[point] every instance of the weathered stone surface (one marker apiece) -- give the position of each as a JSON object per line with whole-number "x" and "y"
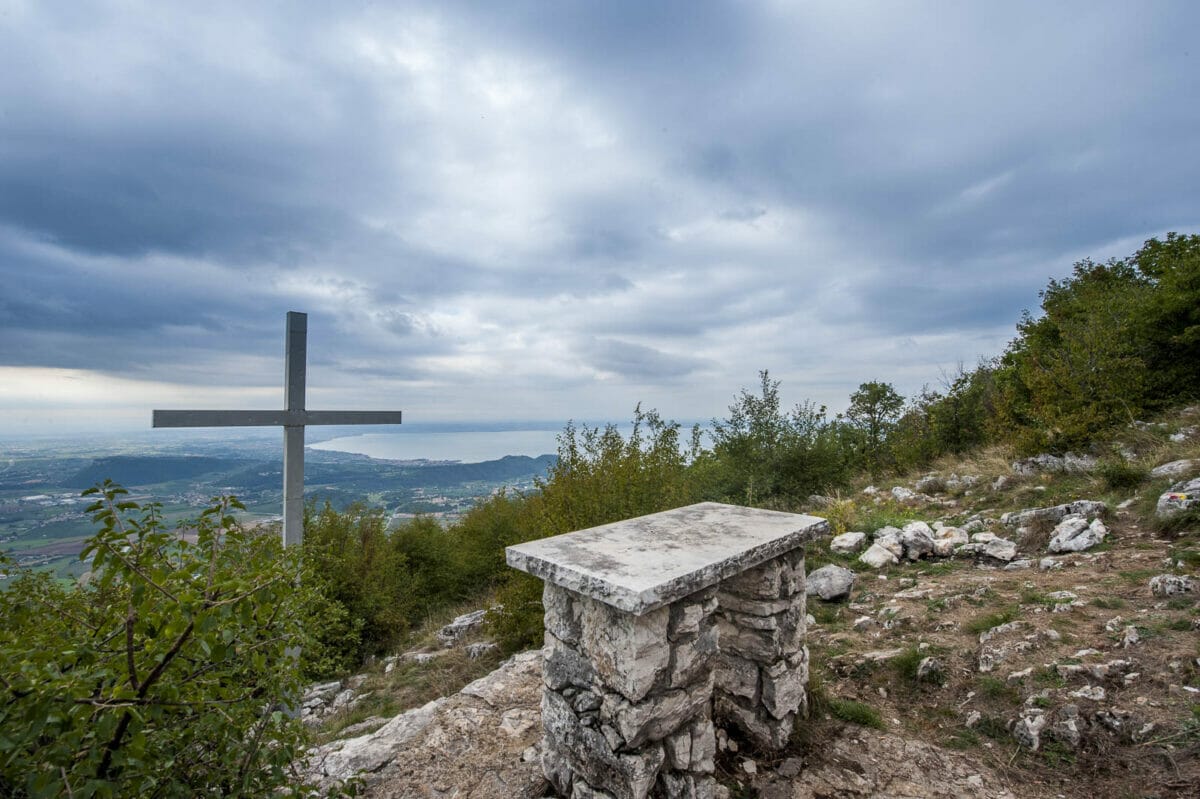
{"x": 830, "y": 583}
{"x": 627, "y": 651}
{"x": 848, "y": 543}
{"x": 685, "y": 619}
{"x": 1075, "y": 534}
{"x": 704, "y": 746}
{"x": 917, "y": 539}
{"x": 946, "y": 539}
{"x": 877, "y": 557}
{"x": 1083, "y": 507}
{"x": 761, "y": 582}
{"x": 692, "y": 659}
{"x": 659, "y": 715}
{"x": 1171, "y": 584}
{"x": 1175, "y": 468}
{"x": 565, "y": 665}
{"x": 453, "y": 632}
{"x": 1027, "y": 730}
{"x": 343, "y": 759}
{"x": 587, "y": 753}
{"x": 1184, "y": 495}
{"x": 891, "y": 541}
{"x": 1000, "y": 549}
{"x": 678, "y": 748}
{"x": 642, "y": 564}
{"x": 562, "y": 613}
{"x": 737, "y": 676}
{"x": 783, "y": 689}
{"x": 753, "y": 607}
{"x": 765, "y": 730}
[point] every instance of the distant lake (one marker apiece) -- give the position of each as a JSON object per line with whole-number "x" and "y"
{"x": 464, "y": 446}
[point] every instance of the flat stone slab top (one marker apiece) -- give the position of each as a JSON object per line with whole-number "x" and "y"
{"x": 641, "y": 564}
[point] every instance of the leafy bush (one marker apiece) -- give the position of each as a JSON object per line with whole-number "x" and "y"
{"x": 1119, "y": 474}
{"x": 166, "y": 674}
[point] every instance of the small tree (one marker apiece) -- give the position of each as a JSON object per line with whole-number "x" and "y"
{"x": 874, "y": 410}
{"x": 166, "y": 674}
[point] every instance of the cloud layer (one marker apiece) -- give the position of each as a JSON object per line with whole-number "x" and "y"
{"x": 542, "y": 211}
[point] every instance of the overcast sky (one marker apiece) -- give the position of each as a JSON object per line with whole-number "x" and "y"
{"x": 554, "y": 210}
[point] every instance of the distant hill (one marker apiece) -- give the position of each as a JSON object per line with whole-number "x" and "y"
{"x": 358, "y": 474}
{"x": 136, "y": 470}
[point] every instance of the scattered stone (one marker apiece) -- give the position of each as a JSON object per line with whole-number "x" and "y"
{"x": 1182, "y": 496}
{"x": 1130, "y": 637}
{"x": 878, "y": 556}
{"x": 453, "y": 632}
{"x": 1017, "y": 565}
{"x": 848, "y": 543}
{"x": 931, "y": 669}
{"x": 1003, "y": 482}
{"x": 946, "y": 539}
{"x": 1075, "y": 534}
{"x": 1183, "y": 434}
{"x": 870, "y": 491}
{"x": 902, "y": 494}
{"x": 1174, "y": 468}
{"x": 1095, "y": 693}
{"x": 1028, "y": 729}
{"x": 1083, "y": 507}
{"x": 863, "y": 623}
{"x": 917, "y": 539}
{"x": 478, "y": 650}
{"x": 830, "y": 583}
{"x": 1171, "y": 584}
{"x": 1049, "y": 564}
{"x": 931, "y": 484}
{"x": 1062, "y": 596}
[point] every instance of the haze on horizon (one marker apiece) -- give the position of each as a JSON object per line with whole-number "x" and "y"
{"x": 550, "y": 211}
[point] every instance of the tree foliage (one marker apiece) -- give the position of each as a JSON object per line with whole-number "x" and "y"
{"x": 167, "y": 674}
{"x": 763, "y": 455}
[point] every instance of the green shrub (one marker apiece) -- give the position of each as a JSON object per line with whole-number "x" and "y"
{"x": 166, "y": 674}
{"x": 1121, "y": 475}
{"x": 987, "y": 621}
{"x": 855, "y": 712}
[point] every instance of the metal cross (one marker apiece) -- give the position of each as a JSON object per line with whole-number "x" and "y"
{"x": 292, "y": 418}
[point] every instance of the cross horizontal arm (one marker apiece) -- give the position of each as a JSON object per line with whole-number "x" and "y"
{"x": 270, "y": 418}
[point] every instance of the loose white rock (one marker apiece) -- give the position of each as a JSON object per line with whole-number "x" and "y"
{"x": 848, "y": 543}
{"x": 830, "y": 583}
{"x": 878, "y": 556}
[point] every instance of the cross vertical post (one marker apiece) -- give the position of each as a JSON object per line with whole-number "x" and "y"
{"x": 295, "y": 359}
{"x": 292, "y": 419}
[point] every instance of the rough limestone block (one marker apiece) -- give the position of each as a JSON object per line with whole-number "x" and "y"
{"x": 587, "y": 755}
{"x": 704, "y": 746}
{"x": 582, "y": 790}
{"x": 659, "y": 715}
{"x": 736, "y": 676}
{"x": 783, "y": 689}
{"x": 685, "y": 619}
{"x": 679, "y": 786}
{"x": 752, "y": 607}
{"x": 557, "y": 772}
{"x": 628, "y": 651}
{"x": 760, "y": 645}
{"x": 793, "y": 575}
{"x": 692, "y": 660}
{"x": 762, "y": 729}
{"x": 761, "y": 582}
{"x": 747, "y": 622}
{"x": 679, "y": 750}
{"x": 564, "y": 665}
{"x": 561, "y": 613}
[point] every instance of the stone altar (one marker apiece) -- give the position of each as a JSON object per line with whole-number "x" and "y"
{"x": 655, "y": 623}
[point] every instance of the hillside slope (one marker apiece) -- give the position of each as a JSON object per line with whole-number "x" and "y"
{"x": 999, "y": 670}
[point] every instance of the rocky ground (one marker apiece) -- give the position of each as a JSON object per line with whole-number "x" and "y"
{"x": 1008, "y": 663}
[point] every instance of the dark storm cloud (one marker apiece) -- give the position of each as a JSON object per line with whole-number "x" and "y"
{"x": 533, "y": 193}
